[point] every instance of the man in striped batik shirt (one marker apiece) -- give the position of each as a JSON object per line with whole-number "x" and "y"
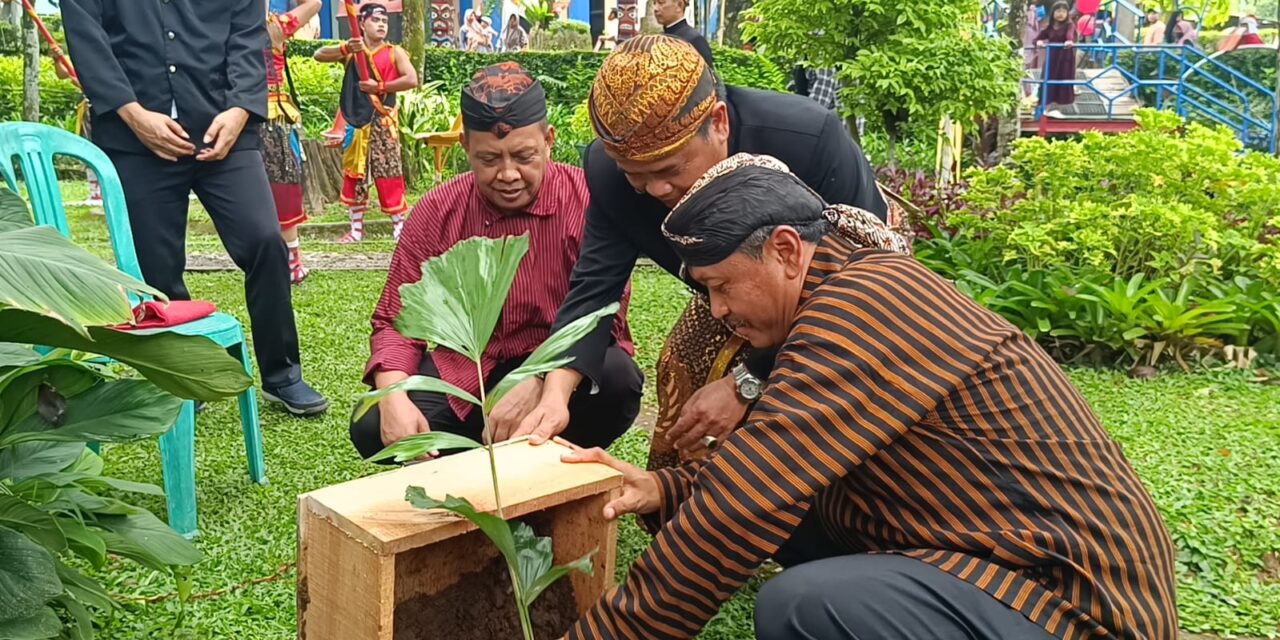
{"x": 513, "y": 188}
{"x": 919, "y": 467}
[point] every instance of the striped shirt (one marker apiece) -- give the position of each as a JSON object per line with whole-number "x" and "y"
{"x": 456, "y": 211}
{"x": 917, "y": 423}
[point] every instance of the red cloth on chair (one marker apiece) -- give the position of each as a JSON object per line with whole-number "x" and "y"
{"x": 154, "y": 314}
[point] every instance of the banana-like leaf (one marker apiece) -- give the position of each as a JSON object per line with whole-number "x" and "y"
{"x": 547, "y": 356}
{"x": 16, "y": 355}
{"x": 535, "y": 559}
{"x": 117, "y": 411}
{"x": 142, "y": 537}
{"x": 83, "y": 541}
{"x": 81, "y": 627}
{"x": 20, "y": 387}
{"x": 528, "y": 555}
{"x": 420, "y": 444}
{"x": 43, "y": 272}
{"x": 23, "y": 461}
{"x": 20, "y": 515}
{"x": 98, "y": 483}
{"x": 457, "y": 302}
{"x": 28, "y": 576}
{"x": 412, "y": 383}
{"x": 37, "y": 626}
{"x": 14, "y": 214}
{"x": 85, "y": 589}
{"x": 191, "y": 367}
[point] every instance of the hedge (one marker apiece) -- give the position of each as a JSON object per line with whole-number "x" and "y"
{"x": 567, "y": 76}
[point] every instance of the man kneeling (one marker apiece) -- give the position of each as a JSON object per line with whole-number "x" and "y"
{"x": 919, "y": 466}
{"x": 513, "y": 188}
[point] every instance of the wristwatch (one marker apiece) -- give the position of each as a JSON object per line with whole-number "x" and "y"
{"x": 747, "y": 385}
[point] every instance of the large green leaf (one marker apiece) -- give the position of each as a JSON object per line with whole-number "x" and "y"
{"x": 17, "y": 355}
{"x": 28, "y": 576}
{"x": 142, "y": 537}
{"x": 412, "y": 383}
{"x": 116, "y": 411}
{"x": 14, "y": 214}
{"x": 23, "y": 461}
{"x": 81, "y": 627}
{"x": 493, "y": 526}
{"x": 457, "y": 302}
{"x": 95, "y": 482}
{"x": 19, "y": 515}
{"x": 20, "y": 387}
{"x": 44, "y": 623}
{"x": 420, "y": 444}
{"x": 83, "y": 541}
{"x": 85, "y": 589}
{"x": 535, "y": 558}
{"x": 43, "y": 272}
{"x": 191, "y": 367}
{"x": 547, "y": 356}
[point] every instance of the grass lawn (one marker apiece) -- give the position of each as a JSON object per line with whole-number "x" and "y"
{"x": 1207, "y": 446}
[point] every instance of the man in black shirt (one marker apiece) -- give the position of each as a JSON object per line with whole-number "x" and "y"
{"x": 663, "y": 119}
{"x": 179, "y": 89}
{"x": 670, "y": 14}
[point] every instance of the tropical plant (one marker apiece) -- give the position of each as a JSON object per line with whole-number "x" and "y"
{"x": 456, "y": 305}
{"x": 425, "y": 109}
{"x": 58, "y": 513}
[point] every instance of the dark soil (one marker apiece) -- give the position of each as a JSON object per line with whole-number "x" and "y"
{"x": 481, "y": 607}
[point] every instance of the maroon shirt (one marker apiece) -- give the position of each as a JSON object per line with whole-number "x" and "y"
{"x": 456, "y": 211}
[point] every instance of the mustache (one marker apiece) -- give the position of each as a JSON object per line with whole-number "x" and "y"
{"x": 734, "y": 323}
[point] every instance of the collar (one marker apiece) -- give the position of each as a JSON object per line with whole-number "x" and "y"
{"x": 541, "y": 207}
{"x": 831, "y": 256}
{"x": 676, "y": 25}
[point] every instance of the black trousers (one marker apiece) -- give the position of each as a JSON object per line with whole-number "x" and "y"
{"x": 236, "y": 194}
{"x": 820, "y": 596}
{"x": 595, "y": 419}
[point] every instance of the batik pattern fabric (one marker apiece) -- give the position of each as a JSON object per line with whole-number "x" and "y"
{"x": 281, "y": 143}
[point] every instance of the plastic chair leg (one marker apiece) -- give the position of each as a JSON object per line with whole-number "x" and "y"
{"x": 249, "y": 422}
{"x": 178, "y": 456}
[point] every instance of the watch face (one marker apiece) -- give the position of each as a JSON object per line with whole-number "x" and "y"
{"x": 750, "y": 389}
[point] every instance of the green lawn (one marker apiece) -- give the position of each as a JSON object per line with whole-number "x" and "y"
{"x": 1207, "y": 445}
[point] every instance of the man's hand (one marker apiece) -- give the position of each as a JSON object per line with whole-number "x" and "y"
{"x": 355, "y": 45}
{"x": 639, "y": 488}
{"x": 369, "y": 86}
{"x": 276, "y": 34}
{"x": 713, "y": 410}
{"x": 157, "y": 131}
{"x": 400, "y": 418}
{"x": 222, "y": 133}
{"x": 546, "y": 421}
{"x": 513, "y": 407}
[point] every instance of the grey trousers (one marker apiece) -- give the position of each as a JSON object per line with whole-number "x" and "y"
{"x": 882, "y": 597}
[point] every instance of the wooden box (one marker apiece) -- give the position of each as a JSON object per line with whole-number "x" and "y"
{"x": 363, "y": 550}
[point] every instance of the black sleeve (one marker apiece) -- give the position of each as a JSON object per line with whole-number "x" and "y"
{"x": 704, "y": 49}
{"x": 799, "y": 81}
{"x": 846, "y": 176}
{"x": 246, "y": 60}
{"x": 104, "y": 80}
{"x": 599, "y": 278}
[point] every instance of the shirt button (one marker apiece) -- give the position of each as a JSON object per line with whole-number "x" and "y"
{"x": 171, "y": 35}
{"x": 173, "y": 69}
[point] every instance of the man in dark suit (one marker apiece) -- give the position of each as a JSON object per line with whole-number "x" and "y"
{"x": 179, "y": 89}
{"x": 670, "y": 14}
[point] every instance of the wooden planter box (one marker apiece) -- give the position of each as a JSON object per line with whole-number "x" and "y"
{"x": 363, "y": 550}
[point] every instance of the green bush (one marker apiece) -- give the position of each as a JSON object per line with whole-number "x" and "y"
{"x": 1210, "y": 38}
{"x": 58, "y": 98}
{"x": 1157, "y": 242}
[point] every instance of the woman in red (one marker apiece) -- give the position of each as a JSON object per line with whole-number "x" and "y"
{"x": 1062, "y": 62}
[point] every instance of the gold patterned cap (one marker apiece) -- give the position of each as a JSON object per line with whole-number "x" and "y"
{"x": 650, "y": 97}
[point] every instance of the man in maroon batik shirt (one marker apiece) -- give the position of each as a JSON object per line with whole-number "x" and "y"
{"x": 513, "y": 188}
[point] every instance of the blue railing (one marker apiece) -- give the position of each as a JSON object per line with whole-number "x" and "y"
{"x": 1182, "y": 75}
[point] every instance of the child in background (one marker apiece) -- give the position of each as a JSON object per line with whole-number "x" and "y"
{"x": 1062, "y": 61}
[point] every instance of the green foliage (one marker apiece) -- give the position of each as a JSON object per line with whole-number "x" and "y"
{"x": 57, "y": 511}
{"x": 1151, "y": 244}
{"x": 58, "y": 98}
{"x": 422, "y": 110}
{"x": 899, "y": 62}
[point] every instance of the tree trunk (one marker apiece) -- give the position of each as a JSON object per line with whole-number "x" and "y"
{"x": 732, "y": 21}
{"x": 1010, "y": 123}
{"x": 30, "y": 71}
{"x": 413, "y": 17}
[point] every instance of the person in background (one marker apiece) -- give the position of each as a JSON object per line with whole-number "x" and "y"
{"x": 281, "y": 148}
{"x": 1032, "y": 55}
{"x": 475, "y": 31}
{"x": 609, "y": 38}
{"x": 1155, "y": 28}
{"x": 670, "y": 14}
{"x": 513, "y": 188}
{"x": 1062, "y": 61}
{"x": 1181, "y": 31}
{"x": 179, "y": 90}
{"x": 1251, "y": 34}
{"x": 372, "y": 143}
{"x": 514, "y": 37}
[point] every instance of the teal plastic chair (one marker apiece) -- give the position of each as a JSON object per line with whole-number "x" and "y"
{"x": 34, "y": 146}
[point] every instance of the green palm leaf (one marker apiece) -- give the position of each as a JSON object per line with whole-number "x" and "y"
{"x": 43, "y": 272}
{"x": 412, "y": 383}
{"x": 547, "y": 356}
{"x": 420, "y": 444}
{"x": 457, "y": 302}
